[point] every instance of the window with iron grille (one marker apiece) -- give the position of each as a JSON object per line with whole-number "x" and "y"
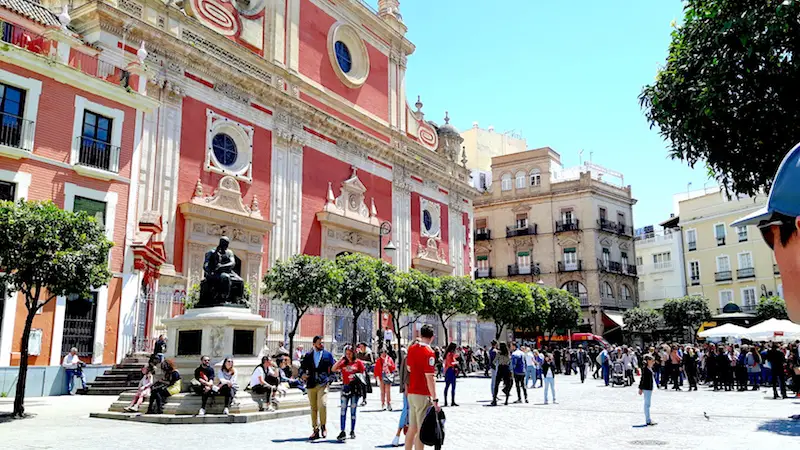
{"x": 79, "y": 324}
{"x": 7, "y": 191}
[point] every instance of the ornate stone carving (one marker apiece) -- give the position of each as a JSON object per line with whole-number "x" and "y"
{"x": 198, "y": 189}
{"x": 350, "y": 202}
{"x": 401, "y": 182}
{"x": 198, "y": 227}
{"x": 217, "y": 341}
{"x": 232, "y": 92}
{"x": 228, "y": 197}
{"x": 431, "y": 251}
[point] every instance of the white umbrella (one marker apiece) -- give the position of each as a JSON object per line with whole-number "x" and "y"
{"x": 773, "y": 330}
{"x": 724, "y": 331}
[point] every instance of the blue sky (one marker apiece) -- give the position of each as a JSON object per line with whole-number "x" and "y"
{"x": 566, "y": 74}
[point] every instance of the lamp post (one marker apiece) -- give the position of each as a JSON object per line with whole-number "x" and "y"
{"x": 390, "y": 250}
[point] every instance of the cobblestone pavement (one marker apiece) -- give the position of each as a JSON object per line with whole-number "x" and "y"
{"x": 587, "y": 416}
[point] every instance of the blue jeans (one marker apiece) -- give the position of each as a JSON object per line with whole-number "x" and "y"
{"x": 606, "y": 370}
{"x": 657, "y": 376}
{"x": 549, "y": 383}
{"x": 450, "y": 382}
{"x": 352, "y": 402}
{"x": 494, "y": 378}
{"x": 71, "y": 374}
{"x": 530, "y": 374}
{"x": 404, "y": 414}
{"x": 647, "y": 397}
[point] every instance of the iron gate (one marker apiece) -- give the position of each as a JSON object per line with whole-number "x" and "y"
{"x": 79, "y": 325}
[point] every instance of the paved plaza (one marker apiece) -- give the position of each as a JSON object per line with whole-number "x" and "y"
{"x": 586, "y": 416}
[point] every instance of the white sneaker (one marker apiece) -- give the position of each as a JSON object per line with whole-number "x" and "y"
{"x": 202, "y": 412}
{"x": 225, "y": 411}
{"x": 396, "y": 441}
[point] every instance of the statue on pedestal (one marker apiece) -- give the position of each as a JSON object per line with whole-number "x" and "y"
{"x": 221, "y": 285}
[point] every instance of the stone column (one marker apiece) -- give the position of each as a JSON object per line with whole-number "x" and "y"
{"x": 456, "y": 233}
{"x": 287, "y": 186}
{"x": 401, "y": 217}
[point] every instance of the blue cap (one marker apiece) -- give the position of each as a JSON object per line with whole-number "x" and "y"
{"x": 784, "y": 197}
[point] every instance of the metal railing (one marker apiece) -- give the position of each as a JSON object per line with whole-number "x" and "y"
{"x": 97, "y": 154}
{"x": 747, "y": 272}
{"x": 576, "y": 266}
{"x": 692, "y": 245}
{"x": 483, "y": 235}
{"x": 516, "y": 269}
{"x": 630, "y": 269}
{"x": 608, "y": 301}
{"x": 607, "y": 225}
{"x": 609, "y": 266}
{"x": 583, "y": 298}
{"x": 514, "y": 231}
{"x": 624, "y": 230}
{"x": 16, "y": 132}
{"x": 24, "y": 38}
{"x": 96, "y": 67}
{"x": 151, "y": 309}
{"x": 572, "y": 225}
{"x": 483, "y": 273}
{"x": 695, "y": 281}
{"x": 720, "y": 241}
{"x": 725, "y": 275}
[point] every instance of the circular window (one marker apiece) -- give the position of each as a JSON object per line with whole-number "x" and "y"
{"x": 427, "y": 220}
{"x": 224, "y": 149}
{"x": 343, "y": 57}
{"x": 348, "y": 55}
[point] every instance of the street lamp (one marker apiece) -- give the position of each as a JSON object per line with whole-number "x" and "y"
{"x": 390, "y": 249}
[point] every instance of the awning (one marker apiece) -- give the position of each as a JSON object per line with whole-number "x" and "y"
{"x": 612, "y": 321}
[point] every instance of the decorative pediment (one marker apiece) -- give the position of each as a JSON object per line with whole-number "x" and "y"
{"x": 431, "y": 257}
{"x": 568, "y": 241}
{"x": 623, "y": 245}
{"x": 351, "y": 201}
{"x": 521, "y": 208}
{"x": 606, "y": 242}
{"x": 226, "y": 209}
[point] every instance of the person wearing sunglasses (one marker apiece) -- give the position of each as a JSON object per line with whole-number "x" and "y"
{"x": 779, "y": 222}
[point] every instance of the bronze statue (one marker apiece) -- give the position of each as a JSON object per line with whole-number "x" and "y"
{"x": 221, "y": 285}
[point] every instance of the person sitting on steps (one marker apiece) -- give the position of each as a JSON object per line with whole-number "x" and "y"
{"x": 143, "y": 390}
{"x": 283, "y": 363}
{"x": 227, "y": 386}
{"x": 203, "y": 382}
{"x": 262, "y": 383}
{"x": 168, "y": 386}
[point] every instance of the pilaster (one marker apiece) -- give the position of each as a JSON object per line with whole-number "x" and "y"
{"x": 287, "y": 185}
{"x": 401, "y": 217}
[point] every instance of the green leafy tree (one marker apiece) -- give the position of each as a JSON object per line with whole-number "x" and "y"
{"x": 360, "y": 289}
{"x": 412, "y": 297}
{"x": 535, "y": 317}
{"x": 727, "y": 93}
{"x": 455, "y": 295}
{"x": 304, "y": 282}
{"x": 46, "y": 252}
{"x": 641, "y": 320}
{"x": 504, "y": 303}
{"x": 387, "y": 285}
{"x": 771, "y": 308}
{"x": 686, "y": 313}
{"x": 565, "y": 310}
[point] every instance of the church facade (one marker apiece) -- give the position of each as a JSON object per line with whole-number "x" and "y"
{"x": 283, "y": 125}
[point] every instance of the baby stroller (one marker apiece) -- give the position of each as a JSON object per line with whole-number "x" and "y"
{"x": 618, "y": 374}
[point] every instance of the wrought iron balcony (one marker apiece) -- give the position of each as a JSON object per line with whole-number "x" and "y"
{"x": 720, "y": 240}
{"x": 692, "y": 245}
{"x": 607, "y": 225}
{"x": 631, "y": 269}
{"x": 610, "y": 266}
{"x": 16, "y": 132}
{"x": 776, "y": 270}
{"x": 747, "y": 272}
{"x": 576, "y": 266}
{"x": 483, "y": 273}
{"x": 624, "y": 230}
{"x": 513, "y": 231}
{"x": 695, "y": 281}
{"x": 583, "y": 298}
{"x": 516, "y": 269}
{"x": 572, "y": 225}
{"x": 725, "y": 275}
{"x": 483, "y": 235}
{"x": 98, "y": 154}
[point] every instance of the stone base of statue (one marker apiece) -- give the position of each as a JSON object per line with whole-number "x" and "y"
{"x": 218, "y": 332}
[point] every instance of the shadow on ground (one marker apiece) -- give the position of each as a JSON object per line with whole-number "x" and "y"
{"x": 783, "y": 427}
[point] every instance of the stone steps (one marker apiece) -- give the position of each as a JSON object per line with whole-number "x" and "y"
{"x": 121, "y": 377}
{"x": 188, "y": 403}
{"x": 168, "y": 419}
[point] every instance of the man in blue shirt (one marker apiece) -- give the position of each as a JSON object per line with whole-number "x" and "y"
{"x": 518, "y": 368}
{"x": 315, "y": 368}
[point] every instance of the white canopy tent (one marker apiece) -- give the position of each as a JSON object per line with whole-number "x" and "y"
{"x": 773, "y": 330}
{"x": 728, "y": 330}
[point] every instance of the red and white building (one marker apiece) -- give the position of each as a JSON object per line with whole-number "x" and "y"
{"x": 281, "y": 124}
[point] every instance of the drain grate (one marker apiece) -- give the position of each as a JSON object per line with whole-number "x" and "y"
{"x": 648, "y": 442}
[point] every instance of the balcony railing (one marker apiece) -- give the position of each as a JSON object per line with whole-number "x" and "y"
{"x": 98, "y": 154}
{"x": 607, "y": 225}
{"x": 572, "y": 225}
{"x": 747, "y": 272}
{"x": 664, "y": 265}
{"x": 776, "y": 270}
{"x": 624, "y": 230}
{"x": 629, "y": 269}
{"x": 514, "y": 231}
{"x": 692, "y": 245}
{"x": 608, "y": 302}
{"x": 583, "y": 298}
{"x": 725, "y": 275}
{"x": 610, "y": 266}
{"x": 720, "y": 240}
{"x": 627, "y": 303}
{"x": 24, "y": 38}
{"x": 94, "y": 66}
{"x": 483, "y": 235}
{"x": 576, "y": 266}
{"x": 483, "y": 273}
{"x": 16, "y": 132}
{"x": 516, "y": 269}
{"x": 695, "y": 281}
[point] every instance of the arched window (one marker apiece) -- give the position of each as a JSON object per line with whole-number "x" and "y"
{"x": 578, "y": 290}
{"x": 520, "y": 180}
{"x": 505, "y": 182}
{"x": 627, "y": 295}
{"x": 607, "y": 291}
{"x": 536, "y": 177}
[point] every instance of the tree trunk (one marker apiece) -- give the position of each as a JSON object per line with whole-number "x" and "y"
{"x": 446, "y": 332}
{"x": 356, "y": 315}
{"x": 498, "y": 331}
{"x": 298, "y": 315}
{"x": 396, "y": 322}
{"x": 19, "y": 399}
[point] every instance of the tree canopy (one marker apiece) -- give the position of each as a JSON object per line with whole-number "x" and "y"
{"x": 46, "y": 252}
{"x": 455, "y": 295}
{"x": 771, "y": 308}
{"x": 565, "y": 310}
{"x": 504, "y": 303}
{"x": 685, "y": 313}
{"x": 360, "y": 289}
{"x": 303, "y": 281}
{"x": 641, "y": 320}
{"x": 727, "y": 94}
{"x": 412, "y": 296}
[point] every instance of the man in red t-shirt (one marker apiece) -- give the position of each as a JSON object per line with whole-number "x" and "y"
{"x": 421, "y": 389}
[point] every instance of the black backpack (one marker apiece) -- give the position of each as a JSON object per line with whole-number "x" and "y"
{"x": 432, "y": 430}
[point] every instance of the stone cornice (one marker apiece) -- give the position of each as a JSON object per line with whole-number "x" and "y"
{"x": 402, "y": 150}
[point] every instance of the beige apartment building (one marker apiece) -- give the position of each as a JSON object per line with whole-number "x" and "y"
{"x": 571, "y": 228}
{"x": 724, "y": 264}
{"x": 481, "y": 145}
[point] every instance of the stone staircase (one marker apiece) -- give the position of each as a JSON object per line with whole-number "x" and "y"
{"x": 120, "y": 378}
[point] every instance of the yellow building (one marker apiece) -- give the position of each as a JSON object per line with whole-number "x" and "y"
{"x": 724, "y": 264}
{"x": 481, "y": 145}
{"x": 570, "y": 228}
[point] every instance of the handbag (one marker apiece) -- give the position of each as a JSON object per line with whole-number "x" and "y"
{"x": 388, "y": 378}
{"x": 175, "y": 388}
